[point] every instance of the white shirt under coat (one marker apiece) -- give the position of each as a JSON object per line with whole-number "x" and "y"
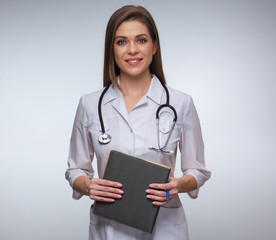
{"x": 133, "y": 133}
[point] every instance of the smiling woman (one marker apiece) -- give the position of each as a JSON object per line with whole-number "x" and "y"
{"x": 129, "y": 108}
{"x": 133, "y": 51}
{"x": 120, "y": 17}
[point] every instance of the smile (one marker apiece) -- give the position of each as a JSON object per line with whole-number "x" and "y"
{"x": 134, "y": 61}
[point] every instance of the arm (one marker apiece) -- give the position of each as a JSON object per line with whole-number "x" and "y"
{"x": 80, "y": 169}
{"x": 81, "y": 185}
{"x": 192, "y": 162}
{"x": 81, "y": 151}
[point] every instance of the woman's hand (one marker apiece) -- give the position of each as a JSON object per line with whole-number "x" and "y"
{"x": 104, "y": 190}
{"x": 157, "y": 191}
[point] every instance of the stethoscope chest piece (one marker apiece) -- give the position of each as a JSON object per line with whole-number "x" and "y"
{"x": 105, "y": 138}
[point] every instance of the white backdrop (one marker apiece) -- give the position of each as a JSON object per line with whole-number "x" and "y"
{"x": 223, "y": 53}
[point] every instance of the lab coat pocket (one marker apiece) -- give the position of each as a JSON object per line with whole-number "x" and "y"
{"x": 168, "y": 134}
{"x": 171, "y": 224}
{"x": 98, "y": 228}
{"x": 172, "y": 216}
{"x": 164, "y": 125}
{"x": 164, "y": 131}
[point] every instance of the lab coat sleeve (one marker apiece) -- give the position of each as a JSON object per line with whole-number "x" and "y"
{"x": 81, "y": 150}
{"x": 192, "y": 148}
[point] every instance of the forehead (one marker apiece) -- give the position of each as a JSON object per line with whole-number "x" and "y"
{"x": 133, "y": 27}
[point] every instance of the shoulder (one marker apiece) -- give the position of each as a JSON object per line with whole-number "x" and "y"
{"x": 91, "y": 97}
{"x": 178, "y": 97}
{"x": 89, "y": 102}
{"x": 183, "y": 104}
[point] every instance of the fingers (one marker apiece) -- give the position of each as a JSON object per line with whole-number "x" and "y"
{"x": 103, "y": 196}
{"x": 104, "y": 182}
{"x": 157, "y": 192}
{"x": 104, "y": 190}
{"x": 159, "y": 197}
{"x": 163, "y": 186}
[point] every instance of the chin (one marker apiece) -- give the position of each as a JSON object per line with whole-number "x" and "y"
{"x": 136, "y": 74}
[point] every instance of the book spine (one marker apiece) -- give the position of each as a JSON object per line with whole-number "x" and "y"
{"x": 157, "y": 210}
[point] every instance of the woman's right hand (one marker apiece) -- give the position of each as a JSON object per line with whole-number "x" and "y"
{"x": 104, "y": 190}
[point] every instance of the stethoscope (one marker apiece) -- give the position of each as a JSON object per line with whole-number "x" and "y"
{"x": 105, "y": 138}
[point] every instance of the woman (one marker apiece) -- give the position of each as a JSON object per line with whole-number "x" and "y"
{"x": 132, "y": 63}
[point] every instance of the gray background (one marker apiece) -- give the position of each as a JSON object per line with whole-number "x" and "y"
{"x": 221, "y": 52}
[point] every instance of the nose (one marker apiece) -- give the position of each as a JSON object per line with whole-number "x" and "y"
{"x": 133, "y": 49}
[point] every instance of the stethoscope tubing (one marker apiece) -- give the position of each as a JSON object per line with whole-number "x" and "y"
{"x": 103, "y": 138}
{"x": 169, "y": 106}
{"x": 100, "y": 108}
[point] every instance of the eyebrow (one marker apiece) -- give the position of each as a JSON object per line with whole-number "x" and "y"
{"x": 137, "y": 36}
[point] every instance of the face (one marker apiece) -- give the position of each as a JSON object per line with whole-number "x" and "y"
{"x": 133, "y": 49}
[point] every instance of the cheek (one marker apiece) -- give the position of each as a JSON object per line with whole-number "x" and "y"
{"x": 149, "y": 52}
{"x": 149, "y": 55}
{"x": 118, "y": 55}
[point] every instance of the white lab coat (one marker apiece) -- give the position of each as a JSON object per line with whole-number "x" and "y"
{"x": 133, "y": 133}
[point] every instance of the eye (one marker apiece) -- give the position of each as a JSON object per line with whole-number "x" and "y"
{"x": 121, "y": 42}
{"x": 142, "y": 40}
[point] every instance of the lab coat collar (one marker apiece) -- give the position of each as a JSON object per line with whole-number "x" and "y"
{"x": 111, "y": 94}
{"x": 115, "y": 97}
{"x": 154, "y": 92}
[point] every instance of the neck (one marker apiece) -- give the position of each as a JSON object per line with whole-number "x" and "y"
{"x": 135, "y": 86}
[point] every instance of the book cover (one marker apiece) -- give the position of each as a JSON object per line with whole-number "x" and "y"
{"x": 135, "y": 174}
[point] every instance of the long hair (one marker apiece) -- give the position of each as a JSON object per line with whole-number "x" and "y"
{"x": 129, "y": 12}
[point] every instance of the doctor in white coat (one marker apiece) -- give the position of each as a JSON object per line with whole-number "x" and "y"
{"x": 132, "y": 64}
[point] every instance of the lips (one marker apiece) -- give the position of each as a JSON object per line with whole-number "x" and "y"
{"x": 134, "y": 61}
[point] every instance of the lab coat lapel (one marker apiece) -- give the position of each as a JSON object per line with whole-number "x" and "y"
{"x": 156, "y": 91}
{"x": 118, "y": 103}
{"x": 142, "y": 101}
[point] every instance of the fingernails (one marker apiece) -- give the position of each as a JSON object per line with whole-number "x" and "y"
{"x": 119, "y": 185}
{"x": 151, "y": 185}
{"x": 120, "y": 191}
{"x": 148, "y": 191}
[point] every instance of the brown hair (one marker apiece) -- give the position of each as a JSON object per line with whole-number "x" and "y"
{"x": 129, "y": 12}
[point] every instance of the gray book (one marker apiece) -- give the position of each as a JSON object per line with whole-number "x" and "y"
{"x": 135, "y": 174}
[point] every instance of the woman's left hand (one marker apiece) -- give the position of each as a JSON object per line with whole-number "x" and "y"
{"x": 157, "y": 191}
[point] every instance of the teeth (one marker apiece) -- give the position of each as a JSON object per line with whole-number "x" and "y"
{"x": 133, "y": 61}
